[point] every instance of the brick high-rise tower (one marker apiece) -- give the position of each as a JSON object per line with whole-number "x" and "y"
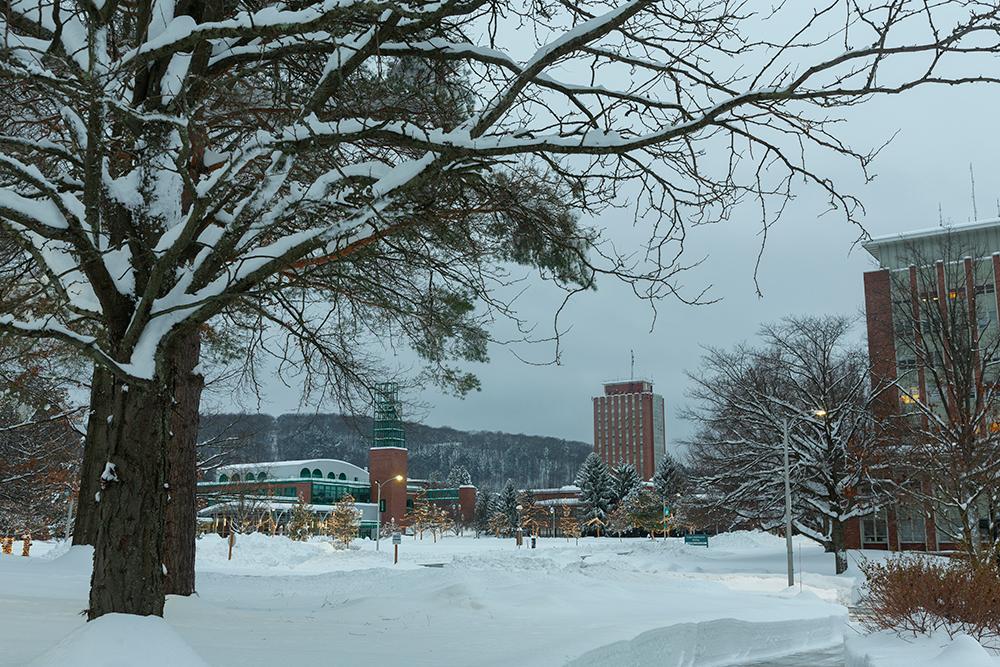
{"x": 629, "y": 425}
{"x": 388, "y": 457}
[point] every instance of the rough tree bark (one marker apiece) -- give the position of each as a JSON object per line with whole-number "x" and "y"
{"x": 95, "y": 455}
{"x": 837, "y": 541}
{"x": 182, "y": 467}
{"x": 180, "y": 521}
{"x": 128, "y": 551}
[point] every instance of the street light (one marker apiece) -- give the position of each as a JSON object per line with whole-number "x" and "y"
{"x": 785, "y": 423}
{"x": 378, "y": 507}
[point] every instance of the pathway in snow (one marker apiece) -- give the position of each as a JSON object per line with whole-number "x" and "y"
{"x": 832, "y": 657}
{"x": 563, "y": 603}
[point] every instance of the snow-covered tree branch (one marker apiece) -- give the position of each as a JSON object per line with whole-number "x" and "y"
{"x": 169, "y": 163}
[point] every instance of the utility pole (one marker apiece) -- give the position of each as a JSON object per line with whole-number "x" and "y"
{"x": 788, "y": 509}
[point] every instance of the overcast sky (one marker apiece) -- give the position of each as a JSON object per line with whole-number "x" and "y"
{"x": 809, "y": 267}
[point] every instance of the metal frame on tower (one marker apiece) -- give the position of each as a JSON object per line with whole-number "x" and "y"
{"x": 387, "y": 427}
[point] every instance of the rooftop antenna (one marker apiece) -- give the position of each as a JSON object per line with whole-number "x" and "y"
{"x": 972, "y": 180}
{"x": 631, "y": 373}
{"x": 940, "y": 216}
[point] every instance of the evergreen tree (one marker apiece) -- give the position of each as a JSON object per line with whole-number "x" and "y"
{"x": 300, "y": 522}
{"x": 459, "y": 476}
{"x": 484, "y": 510}
{"x": 668, "y": 479}
{"x": 644, "y": 510}
{"x": 625, "y": 481}
{"x": 507, "y": 504}
{"x": 594, "y": 480}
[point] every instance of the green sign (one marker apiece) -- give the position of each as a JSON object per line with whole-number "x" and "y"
{"x": 696, "y": 540}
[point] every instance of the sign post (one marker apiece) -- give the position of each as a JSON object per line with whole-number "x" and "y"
{"x": 232, "y": 543}
{"x": 396, "y": 539}
{"x": 696, "y": 540}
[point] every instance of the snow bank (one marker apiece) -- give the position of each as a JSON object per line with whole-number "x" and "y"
{"x": 257, "y": 554}
{"x": 122, "y": 640}
{"x": 719, "y": 643}
{"x": 886, "y": 649}
{"x": 739, "y": 540}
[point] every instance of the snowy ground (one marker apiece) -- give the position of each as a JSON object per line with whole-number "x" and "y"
{"x": 599, "y": 602}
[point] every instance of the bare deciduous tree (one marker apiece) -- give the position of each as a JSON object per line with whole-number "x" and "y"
{"x": 809, "y": 379}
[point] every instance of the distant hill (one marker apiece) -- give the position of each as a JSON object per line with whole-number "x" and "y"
{"x": 491, "y": 457}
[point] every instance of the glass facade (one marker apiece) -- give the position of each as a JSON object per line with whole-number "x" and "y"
{"x": 328, "y": 493}
{"x": 442, "y": 494}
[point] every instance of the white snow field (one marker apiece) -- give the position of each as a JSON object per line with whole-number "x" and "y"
{"x": 482, "y": 602}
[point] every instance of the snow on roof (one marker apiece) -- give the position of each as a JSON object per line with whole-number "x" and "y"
{"x": 272, "y": 505}
{"x": 567, "y": 488}
{"x": 264, "y": 465}
{"x": 646, "y": 380}
{"x": 931, "y": 231}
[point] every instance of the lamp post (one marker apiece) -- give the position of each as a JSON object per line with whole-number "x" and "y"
{"x": 378, "y": 507}
{"x": 785, "y": 423}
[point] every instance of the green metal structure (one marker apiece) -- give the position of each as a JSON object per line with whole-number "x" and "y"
{"x": 387, "y": 427}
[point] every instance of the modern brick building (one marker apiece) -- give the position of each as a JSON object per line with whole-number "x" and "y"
{"x": 630, "y": 426}
{"x": 275, "y": 486}
{"x": 917, "y": 270}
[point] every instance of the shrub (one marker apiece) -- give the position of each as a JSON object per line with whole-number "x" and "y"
{"x": 922, "y": 594}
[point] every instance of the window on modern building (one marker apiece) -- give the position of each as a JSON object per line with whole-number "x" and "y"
{"x": 305, "y": 473}
{"x": 223, "y": 478}
{"x": 317, "y": 473}
{"x": 875, "y": 529}
{"x": 910, "y": 523}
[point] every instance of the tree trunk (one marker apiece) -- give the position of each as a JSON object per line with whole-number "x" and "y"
{"x": 95, "y": 455}
{"x": 180, "y": 525}
{"x": 837, "y": 542}
{"x": 128, "y": 552}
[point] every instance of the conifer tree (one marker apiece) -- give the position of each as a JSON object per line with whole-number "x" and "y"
{"x": 344, "y": 521}
{"x": 594, "y": 480}
{"x": 459, "y": 476}
{"x": 484, "y": 510}
{"x": 624, "y": 481}
{"x": 300, "y": 521}
{"x": 644, "y": 509}
{"x": 668, "y": 479}
{"x": 507, "y": 504}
